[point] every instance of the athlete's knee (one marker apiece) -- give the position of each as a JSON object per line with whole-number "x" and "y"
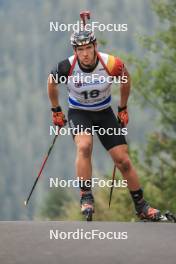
{"x": 123, "y": 163}
{"x": 84, "y": 149}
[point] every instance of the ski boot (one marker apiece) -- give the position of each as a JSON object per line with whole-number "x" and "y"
{"x": 148, "y": 214}
{"x": 87, "y": 205}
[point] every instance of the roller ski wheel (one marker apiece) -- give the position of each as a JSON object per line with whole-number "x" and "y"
{"x": 167, "y": 217}
{"x": 87, "y": 205}
{"x": 88, "y": 212}
{"x": 170, "y": 216}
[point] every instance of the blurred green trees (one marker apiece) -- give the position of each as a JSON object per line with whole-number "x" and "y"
{"x": 155, "y": 81}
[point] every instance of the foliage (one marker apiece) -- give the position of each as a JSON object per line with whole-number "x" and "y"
{"x": 155, "y": 81}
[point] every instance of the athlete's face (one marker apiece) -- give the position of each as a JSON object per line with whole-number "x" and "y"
{"x": 86, "y": 55}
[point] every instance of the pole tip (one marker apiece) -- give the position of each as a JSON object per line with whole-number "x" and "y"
{"x": 25, "y": 203}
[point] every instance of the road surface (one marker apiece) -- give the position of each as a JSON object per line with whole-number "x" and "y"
{"x": 51, "y": 242}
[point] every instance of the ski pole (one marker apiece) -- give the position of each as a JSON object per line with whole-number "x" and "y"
{"x": 112, "y": 186}
{"x": 41, "y": 169}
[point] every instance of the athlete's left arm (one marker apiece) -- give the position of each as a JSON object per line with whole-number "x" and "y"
{"x": 125, "y": 87}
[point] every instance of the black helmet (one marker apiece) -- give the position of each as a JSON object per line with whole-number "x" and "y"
{"x": 82, "y": 37}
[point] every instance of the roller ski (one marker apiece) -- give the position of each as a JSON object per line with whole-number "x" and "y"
{"x": 167, "y": 217}
{"x": 149, "y": 214}
{"x": 87, "y": 205}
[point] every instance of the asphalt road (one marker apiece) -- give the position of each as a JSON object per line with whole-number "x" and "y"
{"x": 47, "y": 243}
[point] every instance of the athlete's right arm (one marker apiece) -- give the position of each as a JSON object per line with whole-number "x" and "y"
{"x": 53, "y": 91}
{"x": 58, "y": 74}
{"x": 58, "y": 116}
{"x": 60, "y": 70}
